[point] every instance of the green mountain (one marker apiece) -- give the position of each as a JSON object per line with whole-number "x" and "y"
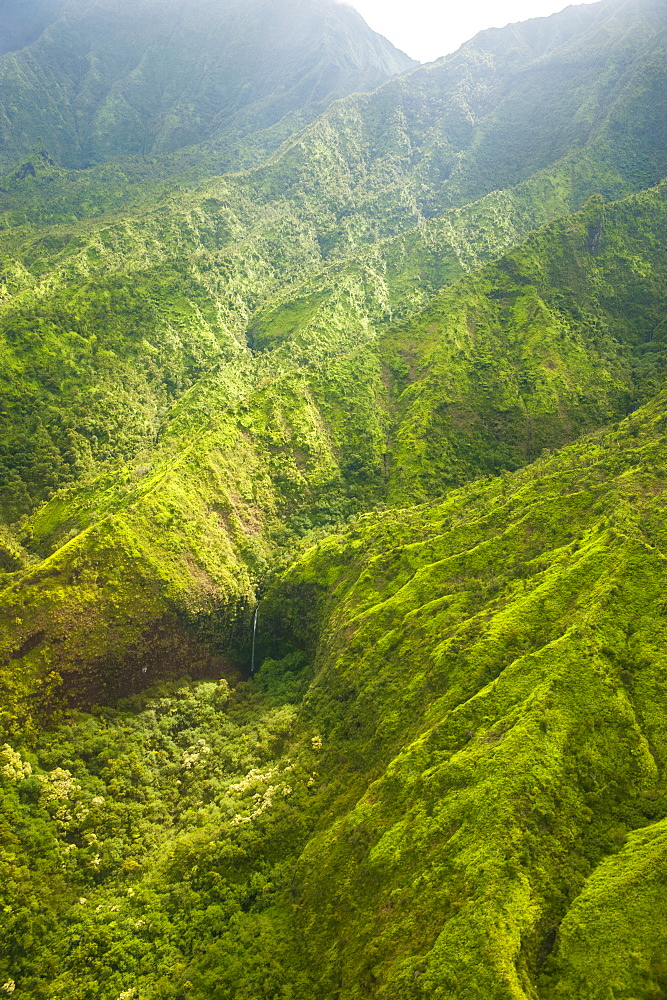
{"x": 331, "y": 555}
{"x": 554, "y": 339}
{"x": 252, "y": 257}
{"x": 450, "y": 782}
{"x": 103, "y": 80}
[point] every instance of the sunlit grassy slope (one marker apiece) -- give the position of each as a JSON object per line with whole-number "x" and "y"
{"x": 447, "y": 780}
{"x": 139, "y": 565}
{"x": 489, "y": 690}
{"x": 97, "y": 81}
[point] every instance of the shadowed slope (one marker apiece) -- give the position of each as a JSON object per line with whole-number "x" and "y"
{"x": 106, "y": 80}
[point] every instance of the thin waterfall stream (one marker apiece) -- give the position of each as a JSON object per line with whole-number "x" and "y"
{"x": 254, "y": 633}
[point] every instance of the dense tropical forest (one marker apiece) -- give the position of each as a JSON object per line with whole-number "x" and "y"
{"x": 333, "y": 505}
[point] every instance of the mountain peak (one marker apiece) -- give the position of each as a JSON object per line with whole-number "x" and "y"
{"x": 146, "y": 77}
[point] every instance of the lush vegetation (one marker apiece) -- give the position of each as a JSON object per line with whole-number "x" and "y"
{"x": 332, "y": 508}
{"x": 106, "y": 80}
{"x": 455, "y": 764}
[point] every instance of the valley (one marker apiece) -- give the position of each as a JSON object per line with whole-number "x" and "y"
{"x": 331, "y": 483}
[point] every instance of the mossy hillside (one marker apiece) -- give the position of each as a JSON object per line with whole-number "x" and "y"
{"x": 110, "y": 609}
{"x": 298, "y": 422}
{"x": 89, "y": 379}
{"x": 364, "y": 288}
{"x": 484, "y": 118}
{"x": 37, "y": 192}
{"x": 12, "y": 555}
{"x": 492, "y": 115}
{"x": 562, "y": 334}
{"x": 621, "y": 911}
{"x": 504, "y": 651}
{"x": 477, "y": 760}
{"x": 170, "y": 288}
{"x": 101, "y": 339}
{"x": 332, "y": 167}
{"x": 105, "y": 327}
{"x": 392, "y": 275}
{"x": 438, "y": 119}
{"x": 332, "y": 164}
{"x": 605, "y": 97}
{"x": 332, "y": 434}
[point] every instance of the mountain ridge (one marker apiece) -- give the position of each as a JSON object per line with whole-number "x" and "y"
{"x": 173, "y": 80}
{"x": 332, "y": 608}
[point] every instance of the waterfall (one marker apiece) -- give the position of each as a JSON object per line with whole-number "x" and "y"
{"x": 254, "y": 633}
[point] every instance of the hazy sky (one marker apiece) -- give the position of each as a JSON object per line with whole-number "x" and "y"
{"x": 426, "y": 29}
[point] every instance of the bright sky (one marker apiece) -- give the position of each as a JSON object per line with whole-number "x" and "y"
{"x": 426, "y": 29}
